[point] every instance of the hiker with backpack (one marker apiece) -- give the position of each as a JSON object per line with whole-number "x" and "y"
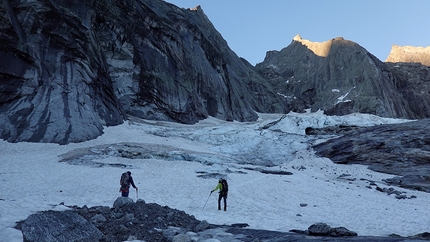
{"x": 223, "y": 192}
{"x": 125, "y": 181}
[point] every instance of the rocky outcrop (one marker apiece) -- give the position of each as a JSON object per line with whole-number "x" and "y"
{"x": 323, "y": 229}
{"x": 70, "y": 67}
{"x": 133, "y": 221}
{"x": 398, "y": 149}
{"x": 413, "y": 83}
{"x": 409, "y": 54}
{"x": 126, "y": 221}
{"x": 59, "y": 226}
{"x": 339, "y": 77}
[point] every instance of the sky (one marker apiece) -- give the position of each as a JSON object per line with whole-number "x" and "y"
{"x": 185, "y": 162}
{"x": 253, "y": 27}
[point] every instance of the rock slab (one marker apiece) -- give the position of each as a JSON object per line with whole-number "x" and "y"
{"x": 54, "y": 226}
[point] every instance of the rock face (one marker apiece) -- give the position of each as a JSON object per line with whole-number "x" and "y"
{"x": 125, "y": 222}
{"x": 398, "y": 149}
{"x": 413, "y": 83}
{"x": 323, "y": 229}
{"x": 53, "y": 226}
{"x": 409, "y": 54}
{"x": 70, "y": 67}
{"x": 339, "y": 77}
{"x": 54, "y": 82}
{"x": 142, "y": 221}
{"x": 181, "y": 69}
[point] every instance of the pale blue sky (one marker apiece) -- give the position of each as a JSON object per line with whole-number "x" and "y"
{"x": 253, "y": 27}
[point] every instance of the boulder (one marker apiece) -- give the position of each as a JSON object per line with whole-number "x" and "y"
{"x": 97, "y": 218}
{"x": 181, "y": 238}
{"x": 201, "y": 226}
{"x": 341, "y": 231}
{"x": 59, "y": 226}
{"x": 322, "y": 229}
{"x": 319, "y": 229}
{"x": 122, "y": 201}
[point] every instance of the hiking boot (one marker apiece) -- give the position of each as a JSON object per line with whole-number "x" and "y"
{"x": 225, "y": 209}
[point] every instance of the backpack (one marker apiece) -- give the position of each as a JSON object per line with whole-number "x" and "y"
{"x": 224, "y": 186}
{"x": 124, "y": 180}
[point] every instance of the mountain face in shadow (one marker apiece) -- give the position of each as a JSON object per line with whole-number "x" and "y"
{"x": 70, "y": 67}
{"x": 341, "y": 77}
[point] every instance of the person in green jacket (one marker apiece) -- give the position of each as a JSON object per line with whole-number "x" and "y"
{"x": 223, "y": 192}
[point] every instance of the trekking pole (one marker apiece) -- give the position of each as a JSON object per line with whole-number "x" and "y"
{"x": 137, "y": 194}
{"x": 207, "y": 201}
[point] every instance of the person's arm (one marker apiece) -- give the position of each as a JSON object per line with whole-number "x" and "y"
{"x": 132, "y": 182}
{"x": 219, "y": 186}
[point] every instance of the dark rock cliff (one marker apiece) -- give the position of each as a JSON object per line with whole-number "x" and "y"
{"x": 413, "y": 83}
{"x": 70, "y": 67}
{"x": 180, "y": 68}
{"x": 399, "y": 149}
{"x": 54, "y": 82}
{"x": 341, "y": 77}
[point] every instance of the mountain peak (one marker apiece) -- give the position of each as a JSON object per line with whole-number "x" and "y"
{"x": 415, "y": 54}
{"x": 318, "y": 48}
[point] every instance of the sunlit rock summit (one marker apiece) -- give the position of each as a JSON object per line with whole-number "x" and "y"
{"x": 409, "y": 54}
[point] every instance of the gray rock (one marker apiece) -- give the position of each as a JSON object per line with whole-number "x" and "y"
{"x": 341, "y": 232}
{"x": 181, "y": 238}
{"x": 341, "y": 77}
{"x": 186, "y": 77}
{"x": 319, "y": 229}
{"x": 98, "y": 218}
{"x": 59, "y": 226}
{"x": 161, "y": 223}
{"x": 102, "y": 209}
{"x": 67, "y": 69}
{"x": 122, "y": 201}
{"x": 398, "y": 149}
{"x": 240, "y": 225}
{"x": 411, "y": 80}
{"x": 54, "y": 83}
{"x": 201, "y": 226}
{"x": 322, "y": 229}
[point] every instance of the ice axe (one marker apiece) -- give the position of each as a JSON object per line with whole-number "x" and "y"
{"x": 207, "y": 201}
